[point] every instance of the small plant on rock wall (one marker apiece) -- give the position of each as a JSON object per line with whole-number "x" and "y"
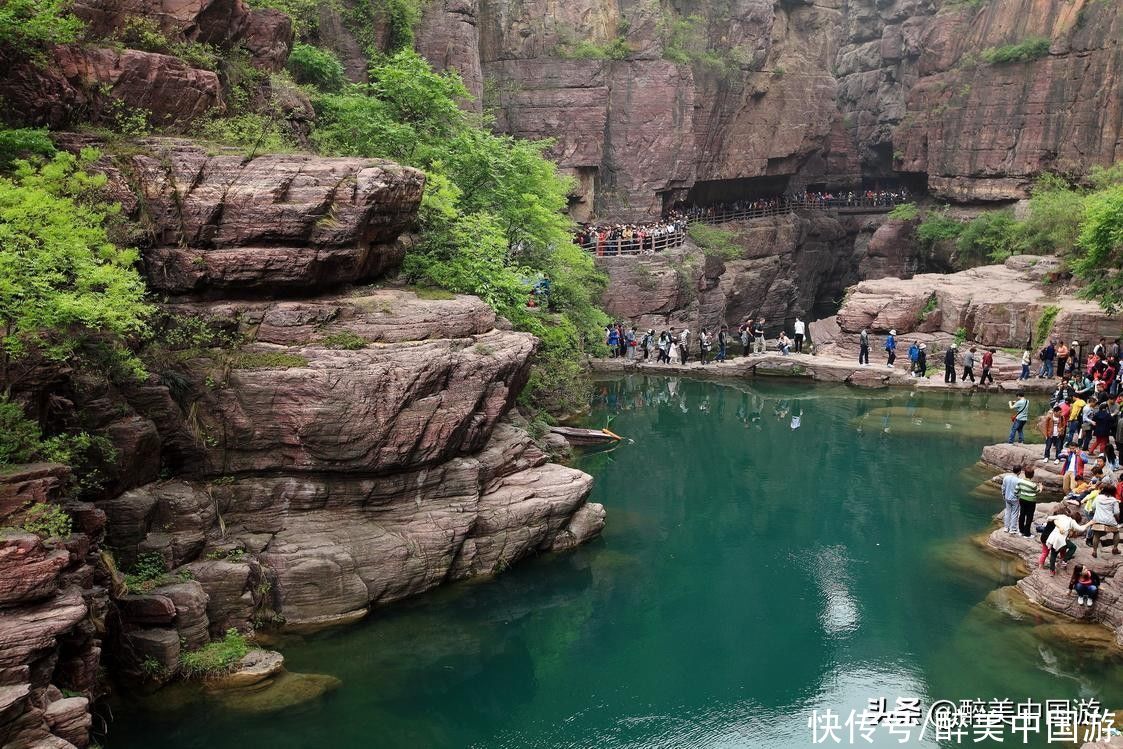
{"x": 904, "y": 211}
{"x": 152, "y": 668}
{"x": 146, "y": 573}
{"x": 47, "y": 521}
{"x": 960, "y": 336}
{"x": 344, "y": 340}
{"x": 215, "y": 658}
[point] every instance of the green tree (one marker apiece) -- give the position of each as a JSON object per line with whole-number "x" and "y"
{"x": 29, "y": 25}
{"x": 1100, "y": 248}
{"x": 493, "y": 215}
{"x": 63, "y": 283}
{"x": 989, "y": 237}
{"x": 317, "y": 67}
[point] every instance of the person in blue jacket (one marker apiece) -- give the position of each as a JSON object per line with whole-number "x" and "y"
{"x": 891, "y": 347}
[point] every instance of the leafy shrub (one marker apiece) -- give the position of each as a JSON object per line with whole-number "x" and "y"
{"x": 267, "y": 360}
{"x": 1028, "y": 49}
{"x": 960, "y": 336}
{"x": 24, "y": 143}
{"x": 215, "y": 658}
{"x": 344, "y": 340}
{"x": 1099, "y": 256}
{"x": 252, "y": 132}
{"x": 148, "y": 572}
{"x": 20, "y": 438}
{"x": 145, "y": 34}
{"x": 62, "y": 281}
{"x": 1052, "y": 221}
{"x": 904, "y": 212}
{"x": 989, "y": 237}
{"x": 617, "y": 49}
{"x": 305, "y": 14}
{"x": 715, "y": 241}
{"x": 29, "y": 25}
{"x": 937, "y": 227}
{"x": 317, "y": 67}
{"x": 48, "y": 521}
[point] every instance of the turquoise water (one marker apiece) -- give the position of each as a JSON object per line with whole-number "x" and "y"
{"x": 750, "y": 572}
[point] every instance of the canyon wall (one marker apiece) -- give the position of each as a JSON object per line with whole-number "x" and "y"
{"x": 821, "y": 92}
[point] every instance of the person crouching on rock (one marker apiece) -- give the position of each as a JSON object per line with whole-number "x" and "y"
{"x": 1086, "y": 583}
{"x": 1065, "y": 524}
{"x": 1105, "y": 518}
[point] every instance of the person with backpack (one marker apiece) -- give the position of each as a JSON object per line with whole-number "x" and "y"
{"x": 864, "y": 348}
{"x": 891, "y": 348}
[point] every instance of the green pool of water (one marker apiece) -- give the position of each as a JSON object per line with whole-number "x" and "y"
{"x": 771, "y": 549}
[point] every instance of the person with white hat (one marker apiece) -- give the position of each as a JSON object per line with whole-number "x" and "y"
{"x": 891, "y": 347}
{"x": 949, "y": 364}
{"x": 922, "y": 361}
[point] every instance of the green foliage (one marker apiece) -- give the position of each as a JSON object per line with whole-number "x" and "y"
{"x": 617, "y": 49}
{"x": 431, "y": 292}
{"x": 344, "y": 340}
{"x": 1099, "y": 259}
{"x": 62, "y": 281}
{"x": 1052, "y": 220}
{"x": 21, "y": 441}
{"x": 937, "y": 227}
{"x": 151, "y": 667}
{"x": 1045, "y": 324}
{"x": 267, "y": 360}
{"x": 252, "y": 132}
{"x": 960, "y": 336}
{"x": 1032, "y": 48}
{"x": 493, "y": 212}
{"x": 929, "y": 307}
{"x": 305, "y": 14}
{"x": 24, "y": 143}
{"x": 715, "y": 241}
{"x": 685, "y": 42}
{"x": 148, "y": 572}
{"x": 30, "y": 25}
{"x": 316, "y": 67}
{"x": 20, "y": 438}
{"x": 904, "y": 212}
{"x": 145, "y": 34}
{"x": 989, "y": 237}
{"x": 47, "y": 521}
{"x": 215, "y": 658}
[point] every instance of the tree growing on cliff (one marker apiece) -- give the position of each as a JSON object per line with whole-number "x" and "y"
{"x": 63, "y": 283}
{"x": 1100, "y": 248}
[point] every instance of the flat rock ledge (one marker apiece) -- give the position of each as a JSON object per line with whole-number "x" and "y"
{"x": 817, "y": 368}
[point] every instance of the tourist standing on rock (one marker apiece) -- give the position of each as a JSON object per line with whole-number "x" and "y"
{"x": 1059, "y": 543}
{"x": 1073, "y": 459}
{"x": 630, "y": 343}
{"x": 988, "y": 365}
{"x": 758, "y": 336}
{"x": 969, "y": 365}
{"x": 722, "y": 342}
{"x": 1020, "y": 407}
{"x": 1025, "y": 365}
{"x": 800, "y": 330}
{"x": 1027, "y": 490}
{"x": 1086, "y": 423}
{"x": 914, "y": 353}
{"x": 1105, "y": 518}
{"x": 704, "y": 346}
{"x": 1054, "y": 431}
{"x": 684, "y": 345}
{"x": 1048, "y": 355}
{"x": 1073, "y": 356}
{"x": 744, "y": 339}
{"x": 949, "y": 365}
{"x": 922, "y": 361}
{"x": 1010, "y": 497}
{"x": 864, "y": 348}
{"x": 1086, "y": 583}
{"x": 1062, "y": 359}
{"x": 1103, "y": 425}
{"x": 891, "y": 348}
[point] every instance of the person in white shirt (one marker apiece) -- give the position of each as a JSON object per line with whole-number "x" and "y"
{"x": 1058, "y": 542}
{"x": 1105, "y": 518}
{"x": 800, "y": 331}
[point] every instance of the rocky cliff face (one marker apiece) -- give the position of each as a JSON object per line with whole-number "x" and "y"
{"x": 811, "y": 92}
{"x": 308, "y": 445}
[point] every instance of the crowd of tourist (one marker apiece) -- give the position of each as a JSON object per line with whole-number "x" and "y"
{"x": 677, "y": 346}
{"x": 1083, "y": 430}
{"x": 633, "y": 239}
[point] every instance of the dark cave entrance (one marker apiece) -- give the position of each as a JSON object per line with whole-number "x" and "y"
{"x": 718, "y": 191}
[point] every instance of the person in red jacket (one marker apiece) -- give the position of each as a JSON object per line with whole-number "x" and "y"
{"x": 988, "y": 362}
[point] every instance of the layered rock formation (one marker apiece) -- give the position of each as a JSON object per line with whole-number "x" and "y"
{"x": 994, "y": 305}
{"x": 820, "y": 92}
{"x": 291, "y": 460}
